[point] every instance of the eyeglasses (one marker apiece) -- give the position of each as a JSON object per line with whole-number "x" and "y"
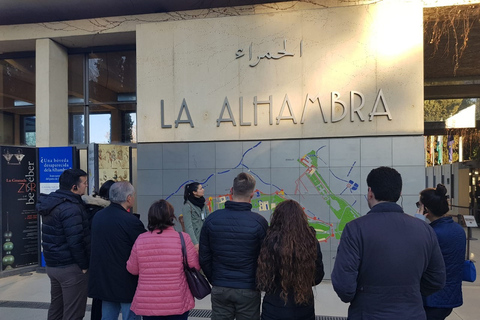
{"x": 418, "y": 204}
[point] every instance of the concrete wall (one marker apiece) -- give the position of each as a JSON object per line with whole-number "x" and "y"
{"x": 330, "y": 87}
{"x": 299, "y": 74}
{"x": 341, "y": 164}
{"x": 51, "y": 87}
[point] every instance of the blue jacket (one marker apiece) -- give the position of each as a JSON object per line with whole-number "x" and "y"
{"x": 230, "y": 242}
{"x": 65, "y": 229}
{"x": 452, "y": 241}
{"x": 385, "y": 261}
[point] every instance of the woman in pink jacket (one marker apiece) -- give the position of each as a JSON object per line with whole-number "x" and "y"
{"x": 156, "y": 257}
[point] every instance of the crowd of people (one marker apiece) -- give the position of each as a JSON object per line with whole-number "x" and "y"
{"x": 389, "y": 265}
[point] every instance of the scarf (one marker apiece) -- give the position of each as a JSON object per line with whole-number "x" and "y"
{"x": 199, "y": 202}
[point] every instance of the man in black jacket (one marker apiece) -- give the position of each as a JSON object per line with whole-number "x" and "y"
{"x": 230, "y": 243}
{"x": 114, "y": 231}
{"x": 66, "y": 245}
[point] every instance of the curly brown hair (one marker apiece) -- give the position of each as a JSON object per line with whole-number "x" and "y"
{"x": 288, "y": 253}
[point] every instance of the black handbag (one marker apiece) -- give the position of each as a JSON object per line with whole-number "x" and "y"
{"x": 199, "y": 286}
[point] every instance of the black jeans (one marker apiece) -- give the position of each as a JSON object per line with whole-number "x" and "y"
{"x": 172, "y": 317}
{"x": 240, "y": 304}
{"x": 437, "y": 313}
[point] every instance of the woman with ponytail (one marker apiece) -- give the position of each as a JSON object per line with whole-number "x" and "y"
{"x": 433, "y": 205}
{"x": 289, "y": 264}
{"x": 194, "y": 210}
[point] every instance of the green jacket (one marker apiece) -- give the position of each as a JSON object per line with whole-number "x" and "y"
{"x": 193, "y": 220}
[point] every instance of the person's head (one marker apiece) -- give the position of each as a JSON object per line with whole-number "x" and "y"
{"x": 193, "y": 189}
{"x": 434, "y": 200}
{"x": 160, "y": 216}
{"x": 74, "y": 180}
{"x": 289, "y": 217}
{"x": 123, "y": 193}
{"x": 384, "y": 184}
{"x": 289, "y": 250}
{"x": 105, "y": 189}
{"x": 243, "y": 187}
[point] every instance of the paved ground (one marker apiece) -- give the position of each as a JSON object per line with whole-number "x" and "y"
{"x": 26, "y": 296}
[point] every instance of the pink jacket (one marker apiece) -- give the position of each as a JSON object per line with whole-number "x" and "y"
{"x": 162, "y": 287}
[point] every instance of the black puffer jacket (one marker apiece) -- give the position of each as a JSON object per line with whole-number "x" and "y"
{"x": 65, "y": 229}
{"x": 230, "y": 242}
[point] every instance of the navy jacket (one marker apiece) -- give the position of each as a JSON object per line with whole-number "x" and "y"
{"x": 230, "y": 242}
{"x": 65, "y": 229}
{"x": 452, "y": 241}
{"x": 385, "y": 261}
{"x": 114, "y": 231}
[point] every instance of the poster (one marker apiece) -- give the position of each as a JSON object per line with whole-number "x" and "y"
{"x": 52, "y": 161}
{"x": 108, "y": 162}
{"x": 18, "y": 196}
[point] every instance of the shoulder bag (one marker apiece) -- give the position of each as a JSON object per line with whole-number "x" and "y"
{"x": 199, "y": 286}
{"x": 469, "y": 271}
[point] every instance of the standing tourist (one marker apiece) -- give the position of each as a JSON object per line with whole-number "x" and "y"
{"x": 230, "y": 242}
{"x": 114, "y": 231}
{"x": 94, "y": 204}
{"x": 157, "y": 259}
{"x": 98, "y": 201}
{"x": 387, "y": 259}
{"x": 290, "y": 263}
{"x": 433, "y": 205}
{"x": 194, "y": 210}
{"x": 66, "y": 245}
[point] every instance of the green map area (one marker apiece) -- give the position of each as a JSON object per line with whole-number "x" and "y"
{"x": 342, "y": 210}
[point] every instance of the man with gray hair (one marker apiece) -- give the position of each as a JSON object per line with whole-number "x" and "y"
{"x": 230, "y": 243}
{"x": 114, "y": 231}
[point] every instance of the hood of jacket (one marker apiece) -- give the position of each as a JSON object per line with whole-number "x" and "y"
{"x": 46, "y": 203}
{"x": 95, "y": 201}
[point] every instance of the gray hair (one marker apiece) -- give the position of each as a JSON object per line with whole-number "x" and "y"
{"x": 119, "y": 191}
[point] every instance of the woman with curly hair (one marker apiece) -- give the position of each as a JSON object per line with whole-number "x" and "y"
{"x": 433, "y": 205}
{"x": 290, "y": 263}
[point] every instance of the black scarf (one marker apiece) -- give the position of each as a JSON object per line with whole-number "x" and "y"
{"x": 199, "y": 202}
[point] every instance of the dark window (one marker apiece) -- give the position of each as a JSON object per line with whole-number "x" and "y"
{"x": 17, "y": 101}
{"x": 107, "y": 80}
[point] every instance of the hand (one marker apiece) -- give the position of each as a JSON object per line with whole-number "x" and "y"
{"x": 197, "y": 247}
{"x": 421, "y": 210}
{"x": 84, "y": 271}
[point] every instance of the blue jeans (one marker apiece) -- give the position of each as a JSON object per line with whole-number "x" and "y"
{"x": 111, "y": 310}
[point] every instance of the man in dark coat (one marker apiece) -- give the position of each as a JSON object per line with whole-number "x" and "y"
{"x": 387, "y": 259}
{"x": 230, "y": 243}
{"x": 66, "y": 245}
{"x": 114, "y": 231}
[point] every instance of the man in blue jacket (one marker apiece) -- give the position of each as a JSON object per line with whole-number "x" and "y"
{"x": 387, "y": 259}
{"x": 66, "y": 245}
{"x": 114, "y": 231}
{"x": 230, "y": 243}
